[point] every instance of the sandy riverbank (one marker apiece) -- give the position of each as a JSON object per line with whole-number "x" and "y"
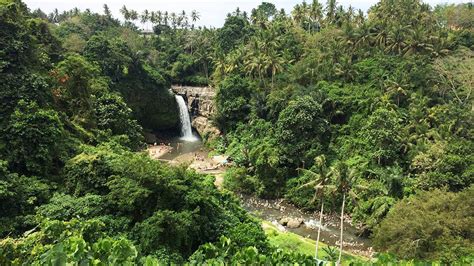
{"x": 198, "y": 160}
{"x": 156, "y": 151}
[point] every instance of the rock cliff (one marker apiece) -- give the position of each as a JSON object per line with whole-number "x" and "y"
{"x": 200, "y": 101}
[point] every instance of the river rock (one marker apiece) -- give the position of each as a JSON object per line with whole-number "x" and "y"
{"x": 294, "y": 223}
{"x": 149, "y": 137}
{"x": 291, "y": 222}
{"x": 284, "y": 221}
{"x": 205, "y": 127}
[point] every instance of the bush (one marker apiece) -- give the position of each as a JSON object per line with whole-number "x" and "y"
{"x": 65, "y": 207}
{"x": 165, "y": 207}
{"x": 113, "y": 114}
{"x": 301, "y": 127}
{"x": 227, "y": 252}
{"x": 435, "y": 225}
{"x": 237, "y": 179}
{"x": 301, "y": 196}
{"x": 33, "y": 139}
{"x": 61, "y": 243}
{"x": 232, "y": 102}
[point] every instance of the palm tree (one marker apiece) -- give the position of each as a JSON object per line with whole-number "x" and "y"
{"x": 144, "y": 17}
{"x": 316, "y": 14}
{"x": 260, "y": 62}
{"x": 159, "y": 17}
{"x": 179, "y": 20}
{"x": 51, "y": 17}
{"x": 233, "y": 60}
{"x": 275, "y": 63}
{"x": 125, "y": 13}
{"x": 439, "y": 45}
{"x": 417, "y": 42}
{"x": 331, "y": 11}
{"x": 133, "y": 15}
{"x": 363, "y": 37}
{"x": 305, "y": 16}
{"x": 75, "y": 11}
{"x": 194, "y": 17}
{"x": 381, "y": 37}
{"x": 219, "y": 63}
{"x": 396, "y": 39}
{"x": 359, "y": 18}
{"x": 350, "y": 14}
{"x": 56, "y": 15}
{"x": 298, "y": 14}
{"x": 153, "y": 18}
{"x": 184, "y": 19}
{"x": 107, "y": 11}
{"x": 345, "y": 179}
{"x": 174, "y": 21}
{"x": 320, "y": 179}
{"x": 340, "y": 16}
{"x": 166, "y": 18}
{"x": 345, "y": 69}
{"x": 394, "y": 88}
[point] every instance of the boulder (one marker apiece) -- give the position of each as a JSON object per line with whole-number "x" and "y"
{"x": 149, "y": 137}
{"x": 294, "y": 222}
{"x": 205, "y": 128}
{"x": 284, "y": 221}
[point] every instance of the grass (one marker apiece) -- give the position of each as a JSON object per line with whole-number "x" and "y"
{"x": 288, "y": 241}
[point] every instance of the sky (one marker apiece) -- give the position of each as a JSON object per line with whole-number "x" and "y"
{"x": 212, "y": 12}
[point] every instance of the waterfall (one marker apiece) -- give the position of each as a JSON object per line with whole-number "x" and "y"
{"x": 186, "y": 130}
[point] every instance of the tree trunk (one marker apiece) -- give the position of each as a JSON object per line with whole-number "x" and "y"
{"x": 319, "y": 229}
{"x": 272, "y": 80}
{"x": 342, "y": 228}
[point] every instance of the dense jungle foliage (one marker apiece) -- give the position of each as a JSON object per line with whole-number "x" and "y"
{"x": 75, "y": 97}
{"x": 325, "y": 104}
{"x": 330, "y": 104}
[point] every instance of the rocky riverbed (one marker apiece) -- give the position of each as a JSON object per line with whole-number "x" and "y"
{"x": 287, "y": 217}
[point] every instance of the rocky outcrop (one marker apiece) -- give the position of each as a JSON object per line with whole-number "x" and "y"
{"x": 291, "y": 222}
{"x": 204, "y": 127}
{"x": 200, "y": 101}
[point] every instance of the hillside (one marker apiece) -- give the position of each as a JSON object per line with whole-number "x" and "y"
{"x": 363, "y": 116}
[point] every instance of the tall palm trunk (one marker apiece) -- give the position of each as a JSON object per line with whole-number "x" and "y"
{"x": 273, "y": 75}
{"x": 319, "y": 229}
{"x": 342, "y": 228}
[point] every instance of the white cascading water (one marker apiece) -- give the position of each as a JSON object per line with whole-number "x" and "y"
{"x": 186, "y": 130}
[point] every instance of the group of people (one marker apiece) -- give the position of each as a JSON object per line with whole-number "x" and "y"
{"x": 198, "y": 157}
{"x": 158, "y": 150}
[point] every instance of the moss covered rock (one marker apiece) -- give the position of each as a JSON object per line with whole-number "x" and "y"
{"x": 148, "y": 94}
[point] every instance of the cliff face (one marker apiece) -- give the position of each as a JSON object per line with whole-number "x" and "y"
{"x": 200, "y": 102}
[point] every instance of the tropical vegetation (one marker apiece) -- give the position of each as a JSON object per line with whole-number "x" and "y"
{"x": 336, "y": 110}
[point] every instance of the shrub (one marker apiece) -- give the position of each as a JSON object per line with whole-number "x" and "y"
{"x": 435, "y": 225}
